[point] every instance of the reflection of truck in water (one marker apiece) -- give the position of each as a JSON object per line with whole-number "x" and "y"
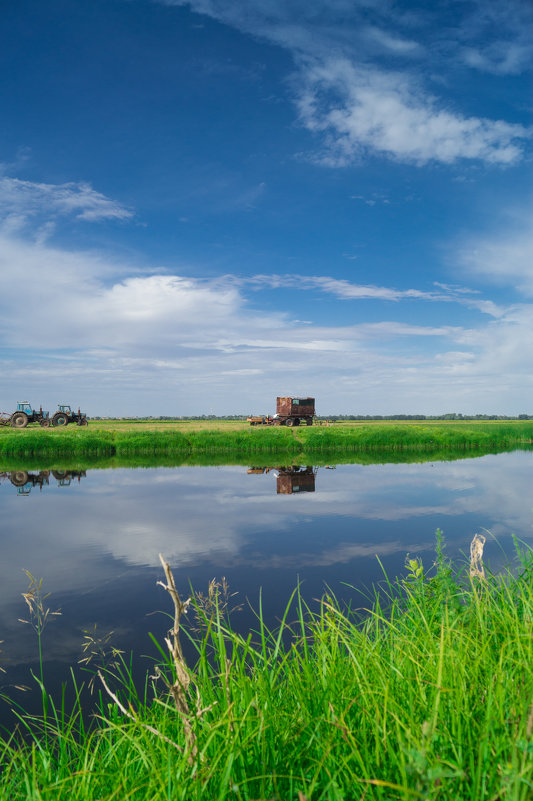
{"x": 25, "y": 481}
{"x": 289, "y": 412}
{"x": 295, "y": 479}
{"x": 290, "y": 479}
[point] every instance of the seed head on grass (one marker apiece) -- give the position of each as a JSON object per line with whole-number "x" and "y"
{"x": 99, "y": 651}
{"x": 216, "y": 604}
{"x": 34, "y": 597}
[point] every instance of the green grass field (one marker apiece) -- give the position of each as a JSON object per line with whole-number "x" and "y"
{"x": 237, "y": 440}
{"x": 428, "y": 694}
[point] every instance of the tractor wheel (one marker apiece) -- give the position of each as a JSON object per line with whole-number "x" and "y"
{"x": 19, "y": 478}
{"x": 60, "y": 419}
{"x": 45, "y": 422}
{"x": 83, "y": 421}
{"x": 59, "y": 475}
{"x": 19, "y": 420}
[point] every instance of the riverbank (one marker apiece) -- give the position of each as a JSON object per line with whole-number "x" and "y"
{"x": 428, "y": 695}
{"x": 238, "y": 440}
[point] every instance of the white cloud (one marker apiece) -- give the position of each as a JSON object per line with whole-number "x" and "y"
{"x": 357, "y": 104}
{"x": 496, "y": 37}
{"x": 89, "y": 330}
{"x": 503, "y": 257}
{"x": 361, "y": 110}
{"x": 21, "y": 200}
{"x": 347, "y": 290}
{"x": 500, "y": 58}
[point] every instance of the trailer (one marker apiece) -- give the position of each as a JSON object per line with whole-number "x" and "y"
{"x": 289, "y": 412}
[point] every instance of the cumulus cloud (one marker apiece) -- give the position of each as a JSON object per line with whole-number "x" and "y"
{"x": 122, "y": 340}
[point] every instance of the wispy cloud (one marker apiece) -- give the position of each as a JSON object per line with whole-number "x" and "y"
{"x": 496, "y": 37}
{"x": 504, "y": 257}
{"x": 22, "y": 200}
{"x": 347, "y": 290}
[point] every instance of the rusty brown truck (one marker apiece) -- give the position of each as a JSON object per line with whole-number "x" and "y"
{"x": 289, "y": 412}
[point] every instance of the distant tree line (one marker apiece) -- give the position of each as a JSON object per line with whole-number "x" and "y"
{"x": 340, "y": 417}
{"x": 447, "y": 416}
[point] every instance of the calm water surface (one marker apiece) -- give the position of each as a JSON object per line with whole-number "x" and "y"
{"x": 94, "y": 537}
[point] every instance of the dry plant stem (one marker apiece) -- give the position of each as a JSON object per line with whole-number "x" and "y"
{"x": 529, "y": 728}
{"x": 179, "y": 688}
{"x": 476, "y": 557}
{"x": 132, "y": 717}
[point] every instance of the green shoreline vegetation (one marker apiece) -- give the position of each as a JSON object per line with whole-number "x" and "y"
{"x": 240, "y": 441}
{"x": 427, "y": 694}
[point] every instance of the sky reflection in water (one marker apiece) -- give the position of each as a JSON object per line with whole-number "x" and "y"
{"x": 94, "y": 536}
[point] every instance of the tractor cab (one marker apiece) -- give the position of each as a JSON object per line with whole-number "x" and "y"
{"x": 24, "y": 406}
{"x": 65, "y": 409}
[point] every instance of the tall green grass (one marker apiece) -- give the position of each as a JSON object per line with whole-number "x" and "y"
{"x": 428, "y": 694}
{"x": 386, "y": 438}
{"x": 418, "y": 437}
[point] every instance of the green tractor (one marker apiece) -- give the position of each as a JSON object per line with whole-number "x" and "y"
{"x": 25, "y": 415}
{"x": 65, "y": 415}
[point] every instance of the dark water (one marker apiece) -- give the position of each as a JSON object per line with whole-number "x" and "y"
{"x": 94, "y": 537}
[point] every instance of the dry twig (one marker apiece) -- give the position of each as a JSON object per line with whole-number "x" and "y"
{"x": 132, "y": 717}
{"x": 476, "y": 557}
{"x": 180, "y": 687}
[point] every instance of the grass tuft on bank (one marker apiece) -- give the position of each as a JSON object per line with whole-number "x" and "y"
{"x": 428, "y": 694}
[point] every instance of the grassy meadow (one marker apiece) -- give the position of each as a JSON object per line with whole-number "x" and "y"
{"x": 426, "y": 694}
{"x": 238, "y": 440}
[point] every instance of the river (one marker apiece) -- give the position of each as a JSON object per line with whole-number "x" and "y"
{"x": 94, "y": 537}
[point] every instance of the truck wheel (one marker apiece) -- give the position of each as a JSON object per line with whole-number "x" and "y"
{"x": 290, "y": 422}
{"x": 19, "y": 420}
{"x": 60, "y": 419}
{"x": 296, "y": 421}
{"x": 309, "y": 421}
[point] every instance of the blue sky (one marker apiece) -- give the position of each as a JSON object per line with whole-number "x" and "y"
{"x": 207, "y": 204}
